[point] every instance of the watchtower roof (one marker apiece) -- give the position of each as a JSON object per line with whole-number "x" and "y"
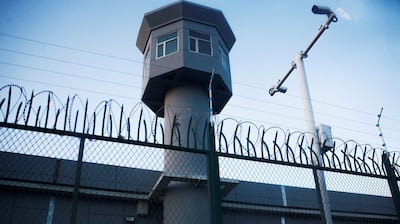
{"x": 184, "y": 10}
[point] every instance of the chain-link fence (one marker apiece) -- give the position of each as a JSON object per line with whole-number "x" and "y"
{"x": 39, "y": 174}
{"x": 121, "y": 169}
{"x": 271, "y": 193}
{"x": 46, "y": 181}
{"x": 120, "y": 182}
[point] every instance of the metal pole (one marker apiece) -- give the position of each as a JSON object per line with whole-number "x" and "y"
{"x": 214, "y": 189}
{"x": 392, "y": 181}
{"x": 78, "y": 173}
{"x": 319, "y": 176}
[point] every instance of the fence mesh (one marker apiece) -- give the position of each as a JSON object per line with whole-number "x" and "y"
{"x": 118, "y": 183}
{"x": 123, "y": 182}
{"x": 271, "y": 193}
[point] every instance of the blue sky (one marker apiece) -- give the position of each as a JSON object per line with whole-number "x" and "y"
{"x": 88, "y": 47}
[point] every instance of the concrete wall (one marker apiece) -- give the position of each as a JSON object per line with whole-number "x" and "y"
{"x": 21, "y": 207}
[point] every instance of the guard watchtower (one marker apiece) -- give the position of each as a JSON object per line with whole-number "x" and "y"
{"x": 183, "y": 45}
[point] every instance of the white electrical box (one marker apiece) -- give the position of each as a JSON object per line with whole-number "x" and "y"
{"x": 325, "y": 137}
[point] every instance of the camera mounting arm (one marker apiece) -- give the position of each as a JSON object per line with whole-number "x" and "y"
{"x": 316, "y": 10}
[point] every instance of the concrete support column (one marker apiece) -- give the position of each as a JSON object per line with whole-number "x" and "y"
{"x": 186, "y": 116}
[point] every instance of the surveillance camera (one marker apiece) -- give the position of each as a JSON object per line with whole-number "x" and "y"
{"x": 273, "y": 90}
{"x": 282, "y": 89}
{"x": 321, "y": 10}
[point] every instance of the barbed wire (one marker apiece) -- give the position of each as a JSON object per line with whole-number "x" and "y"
{"x": 239, "y": 138}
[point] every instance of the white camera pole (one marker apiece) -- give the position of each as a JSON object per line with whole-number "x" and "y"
{"x": 319, "y": 176}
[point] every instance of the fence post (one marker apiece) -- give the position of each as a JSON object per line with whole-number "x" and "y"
{"x": 392, "y": 181}
{"x": 77, "y": 182}
{"x": 214, "y": 189}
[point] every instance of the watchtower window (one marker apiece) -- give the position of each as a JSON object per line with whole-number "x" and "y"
{"x": 199, "y": 43}
{"x": 167, "y": 44}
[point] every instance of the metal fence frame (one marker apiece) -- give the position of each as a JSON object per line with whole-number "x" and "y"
{"x": 359, "y": 160}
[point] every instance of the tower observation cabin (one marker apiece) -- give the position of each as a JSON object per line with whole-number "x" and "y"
{"x": 182, "y": 44}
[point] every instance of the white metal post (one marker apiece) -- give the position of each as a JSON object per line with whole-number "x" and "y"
{"x": 309, "y": 114}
